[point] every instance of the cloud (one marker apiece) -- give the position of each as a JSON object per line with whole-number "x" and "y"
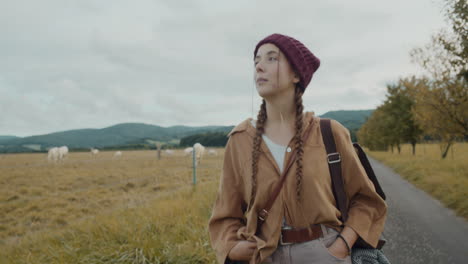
{"x": 77, "y": 64}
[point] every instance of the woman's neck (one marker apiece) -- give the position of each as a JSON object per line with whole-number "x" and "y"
{"x": 281, "y": 109}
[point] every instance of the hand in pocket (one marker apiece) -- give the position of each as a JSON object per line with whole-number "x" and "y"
{"x": 338, "y": 249}
{"x": 243, "y": 250}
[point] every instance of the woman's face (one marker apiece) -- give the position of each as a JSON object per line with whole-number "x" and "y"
{"x": 273, "y": 73}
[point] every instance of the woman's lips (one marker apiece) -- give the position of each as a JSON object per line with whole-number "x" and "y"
{"x": 261, "y": 80}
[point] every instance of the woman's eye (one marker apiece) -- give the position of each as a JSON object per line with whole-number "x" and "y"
{"x": 269, "y": 59}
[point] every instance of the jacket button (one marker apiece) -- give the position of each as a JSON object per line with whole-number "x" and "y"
{"x": 288, "y": 149}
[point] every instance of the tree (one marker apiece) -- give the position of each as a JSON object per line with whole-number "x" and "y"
{"x": 373, "y": 133}
{"x": 398, "y": 109}
{"x": 440, "y": 108}
{"x": 441, "y": 100}
{"x": 209, "y": 139}
{"x": 447, "y": 53}
{"x": 393, "y": 122}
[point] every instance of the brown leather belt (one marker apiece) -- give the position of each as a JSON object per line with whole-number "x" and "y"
{"x": 293, "y": 235}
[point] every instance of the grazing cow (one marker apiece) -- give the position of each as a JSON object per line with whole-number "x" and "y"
{"x": 188, "y": 151}
{"x": 169, "y": 152}
{"x": 212, "y": 152}
{"x": 53, "y": 154}
{"x": 63, "y": 152}
{"x": 57, "y": 154}
{"x": 118, "y": 154}
{"x": 94, "y": 151}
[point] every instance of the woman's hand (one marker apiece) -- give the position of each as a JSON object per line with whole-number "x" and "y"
{"x": 243, "y": 250}
{"x": 338, "y": 249}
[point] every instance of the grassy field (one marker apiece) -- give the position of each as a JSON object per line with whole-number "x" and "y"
{"x": 134, "y": 209}
{"x": 446, "y": 180}
{"x": 137, "y": 209}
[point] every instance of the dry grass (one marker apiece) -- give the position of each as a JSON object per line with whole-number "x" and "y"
{"x": 446, "y": 180}
{"x": 104, "y": 210}
{"x": 137, "y": 209}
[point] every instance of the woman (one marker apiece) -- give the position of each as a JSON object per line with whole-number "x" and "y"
{"x": 254, "y": 158}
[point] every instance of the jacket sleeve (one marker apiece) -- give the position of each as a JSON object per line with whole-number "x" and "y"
{"x": 367, "y": 211}
{"x": 228, "y": 211}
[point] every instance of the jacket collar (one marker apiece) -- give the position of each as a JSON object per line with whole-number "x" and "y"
{"x": 247, "y": 127}
{"x": 309, "y": 118}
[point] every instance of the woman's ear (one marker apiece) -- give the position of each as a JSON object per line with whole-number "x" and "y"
{"x": 296, "y": 78}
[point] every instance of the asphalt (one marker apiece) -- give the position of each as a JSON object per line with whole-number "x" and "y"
{"x": 419, "y": 229}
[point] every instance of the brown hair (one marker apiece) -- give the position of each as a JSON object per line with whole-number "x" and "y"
{"x": 260, "y": 129}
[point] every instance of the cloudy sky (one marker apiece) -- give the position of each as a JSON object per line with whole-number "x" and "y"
{"x": 90, "y": 64}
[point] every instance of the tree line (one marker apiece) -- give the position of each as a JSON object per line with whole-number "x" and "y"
{"x": 434, "y": 105}
{"x": 209, "y": 139}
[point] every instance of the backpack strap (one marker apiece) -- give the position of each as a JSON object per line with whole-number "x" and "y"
{"x": 370, "y": 172}
{"x": 334, "y": 164}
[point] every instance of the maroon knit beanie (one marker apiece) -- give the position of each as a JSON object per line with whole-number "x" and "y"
{"x": 299, "y": 56}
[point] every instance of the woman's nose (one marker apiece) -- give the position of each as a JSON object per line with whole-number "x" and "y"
{"x": 259, "y": 66}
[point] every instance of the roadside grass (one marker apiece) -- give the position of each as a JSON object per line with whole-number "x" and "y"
{"x": 444, "y": 179}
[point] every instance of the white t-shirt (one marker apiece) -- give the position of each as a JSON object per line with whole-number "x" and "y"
{"x": 277, "y": 150}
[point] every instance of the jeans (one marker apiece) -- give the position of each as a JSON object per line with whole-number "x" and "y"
{"x": 314, "y": 251}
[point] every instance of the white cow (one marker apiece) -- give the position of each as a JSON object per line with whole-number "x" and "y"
{"x": 63, "y": 152}
{"x": 169, "y": 152}
{"x": 213, "y": 152}
{"x": 53, "y": 154}
{"x": 94, "y": 151}
{"x": 57, "y": 154}
{"x": 199, "y": 151}
{"x": 188, "y": 151}
{"x": 118, "y": 154}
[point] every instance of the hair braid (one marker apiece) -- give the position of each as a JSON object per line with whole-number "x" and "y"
{"x": 260, "y": 129}
{"x": 298, "y": 140}
{"x": 261, "y": 118}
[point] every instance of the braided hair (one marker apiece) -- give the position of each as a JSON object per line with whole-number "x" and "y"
{"x": 260, "y": 129}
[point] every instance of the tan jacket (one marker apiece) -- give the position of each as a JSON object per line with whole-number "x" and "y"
{"x": 231, "y": 220}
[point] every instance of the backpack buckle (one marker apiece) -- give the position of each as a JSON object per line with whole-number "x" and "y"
{"x": 334, "y": 158}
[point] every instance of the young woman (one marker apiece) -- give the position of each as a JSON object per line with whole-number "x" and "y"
{"x": 303, "y": 225}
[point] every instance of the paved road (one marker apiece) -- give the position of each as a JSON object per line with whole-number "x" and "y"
{"x": 419, "y": 229}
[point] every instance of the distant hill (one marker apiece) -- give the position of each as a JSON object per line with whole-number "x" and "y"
{"x": 139, "y": 135}
{"x": 5, "y": 138}
{"x": 351, "y": 119}
{"x": 118, "y": 135}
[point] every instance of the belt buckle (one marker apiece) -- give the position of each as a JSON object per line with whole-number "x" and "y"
{"x": 281, "y": 237}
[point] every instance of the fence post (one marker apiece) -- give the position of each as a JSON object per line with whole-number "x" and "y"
{"x": 158, "y": 146}
{"x": 194, "y": 161}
